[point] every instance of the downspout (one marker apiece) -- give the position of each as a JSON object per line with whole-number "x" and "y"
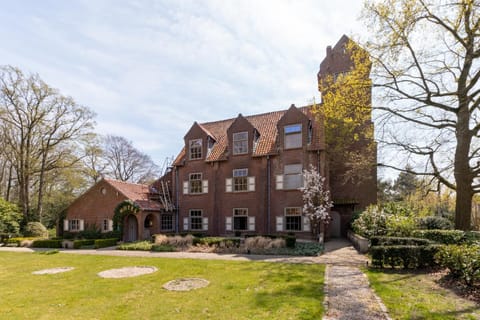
{"x": 177, "y": 208}
{"x": 268, "y": 195}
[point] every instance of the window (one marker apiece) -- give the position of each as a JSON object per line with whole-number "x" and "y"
{"x": 74, "y": 225}
{"x": 195, "y": 148}
{"x": 293, "y": 219}
{"x": 293, "y": 136}
{"x": 292, "y": 176}
{"x": 240, "y": 143}
{"x": 166, "y": 222}
{"x": 240, "y": 180}
{"x": 196, "y": 219}
{"x": 195, "y": 183}
{"x": 240, "y": 219}
{"x": 105, "y": 225}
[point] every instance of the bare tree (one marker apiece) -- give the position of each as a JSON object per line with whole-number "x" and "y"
{"x": 426, "y": 67}
{"x": 39, "y": 128}
{"x": 126, "y": 163}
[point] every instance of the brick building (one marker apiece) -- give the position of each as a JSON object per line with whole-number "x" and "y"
{"x": 236, "y": 176}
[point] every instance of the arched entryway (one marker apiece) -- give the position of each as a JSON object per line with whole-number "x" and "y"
{"x": 131, "y": 227}
{"x": 335, "y": 225}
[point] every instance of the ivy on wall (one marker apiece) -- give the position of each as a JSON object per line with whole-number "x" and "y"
{"x": 123, "y": 209}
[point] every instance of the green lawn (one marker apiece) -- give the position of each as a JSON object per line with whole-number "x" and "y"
{"x": 237, "y": 290}
{"x": 418, "y": 296}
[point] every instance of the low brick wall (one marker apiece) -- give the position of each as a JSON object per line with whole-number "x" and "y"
{"x": 360, "y": 243}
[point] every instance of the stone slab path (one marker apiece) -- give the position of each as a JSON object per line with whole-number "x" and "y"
{"x": 347, "y": 290}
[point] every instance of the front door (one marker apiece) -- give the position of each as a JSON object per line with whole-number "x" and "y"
{"x": 335, "y": 227}
{"x": 132, "y": 228}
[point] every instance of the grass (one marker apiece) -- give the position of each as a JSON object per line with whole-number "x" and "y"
{"x": 237, "y": 290}
{"x": 418, "y": 296}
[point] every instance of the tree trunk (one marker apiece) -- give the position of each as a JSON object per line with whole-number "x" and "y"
{"x": 462, "y": 172}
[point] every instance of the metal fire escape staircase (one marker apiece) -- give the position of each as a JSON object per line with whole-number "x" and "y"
{"x": 164, "y": 192}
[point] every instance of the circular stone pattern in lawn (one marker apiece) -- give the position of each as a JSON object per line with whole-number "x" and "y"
{"x": 126, "y": 272}
{"x": 186, "y": 284}
{"x": 53, "y": 270}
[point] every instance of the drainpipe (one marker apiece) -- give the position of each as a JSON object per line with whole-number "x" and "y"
{"x": 177, "y": 208}
{"x": 268, "y": 195}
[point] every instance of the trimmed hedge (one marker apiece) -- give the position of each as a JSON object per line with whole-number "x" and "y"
{"x": 462, "y": 261}
{"x": 290, "y": 241}
{"x": 404, "y": 256}
{"x": 47, "y": 244}
{"x": 104, "y": 243}
{"x": 441, "y": 236}
{"x": 396, "y": 241}
{"x": 77, "y": 244}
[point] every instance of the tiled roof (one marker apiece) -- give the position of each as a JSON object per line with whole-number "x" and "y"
{"x": 265, "y": 124}
{"x": 135, "y": 192}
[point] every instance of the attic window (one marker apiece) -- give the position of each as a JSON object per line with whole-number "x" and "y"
{"x": 195, "y": 149}
{"x": 256, "y": 137}
{"x": 293, "y": 136}
{"x": 210, "y": 143}
{"x": 103, "y": 191}
{"x": 240, "y": 142}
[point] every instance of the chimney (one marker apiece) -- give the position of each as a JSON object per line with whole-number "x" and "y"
{"x": 329, "y": 50}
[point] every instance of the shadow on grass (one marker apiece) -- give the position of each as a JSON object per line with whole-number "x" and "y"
{"x": 282, "y": 285}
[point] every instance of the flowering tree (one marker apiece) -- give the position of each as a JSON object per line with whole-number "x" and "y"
{"x": 316, "y": 199}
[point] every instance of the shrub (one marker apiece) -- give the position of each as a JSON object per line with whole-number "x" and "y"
{"x": 47, "y": 244}
{"x": 393, "y": 241}
{"x": 163, "y": 248}
{"x": 35, "y": 229}
{"x": 435, "y": 223}
{"x": 91, "y": 232}
{"x": 290, "y": 241}
{"x": 371, "y": 222}
{"x": 136, "y": 246}
{"x": 462, "y": 261}
{"x": 103, "y": 243}
{"x": 10, "y": 218}
{"x": 400, "y": 225}
{"x": 261, "y": 243}
{"x": 218, "y": 242}
{"x": 77, "y": 244}
{"x": 20, "y": 241}
{"x": 405, "y": 256}
{"x": 179, "y": 241}
{"x": 441, "y": 236}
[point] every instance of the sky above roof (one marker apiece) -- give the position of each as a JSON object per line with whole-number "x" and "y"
{"x": 149, "y": 69}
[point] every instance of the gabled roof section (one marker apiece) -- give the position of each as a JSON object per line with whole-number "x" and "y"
{"x": 138, "y": 193}
{"x": 266, "y": 126}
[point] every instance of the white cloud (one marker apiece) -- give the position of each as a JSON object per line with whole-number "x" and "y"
{"x": 151, "y": 68}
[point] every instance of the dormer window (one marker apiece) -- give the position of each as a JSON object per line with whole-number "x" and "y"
{"x": 195, "y": 149}
{"x": 240, "y": 142}
{"x": 293, "y": 136}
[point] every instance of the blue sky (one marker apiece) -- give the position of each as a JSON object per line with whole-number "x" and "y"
{"x": 149, "y": 69}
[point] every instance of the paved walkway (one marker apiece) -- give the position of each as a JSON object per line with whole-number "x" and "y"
{"x": 347, "y": 290}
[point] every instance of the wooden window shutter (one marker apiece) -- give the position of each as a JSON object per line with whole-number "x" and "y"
{"x": 279, "y": 181}
{"x": 279, "y": 223}
{"x": 251, "y": 223}
{"x": 110, "y": 225}
{"x": 82, "y": 225}
{"x": 204, "y": 186}
{"x": 306, "y": 223}
{"x": 65, "y": 225}
{"x": 204, "y": 224}
{"x": 185, "y": 223}
{"x": 251, "y": 183}
{"x": 228, "y": 223}
{"x": 228, "y": 185}
{"x": 185, "y": 187}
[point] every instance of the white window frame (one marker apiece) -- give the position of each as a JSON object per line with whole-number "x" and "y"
{"x": 190, "y": 219}
{"x": 195, "y": 177}
{"x": 291, "y": 172}
{"x": 197, "y": 154}
{"x": 299, "y": 215}
{"x": 240, "y": 143}
{"x": 161, "y": 222}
